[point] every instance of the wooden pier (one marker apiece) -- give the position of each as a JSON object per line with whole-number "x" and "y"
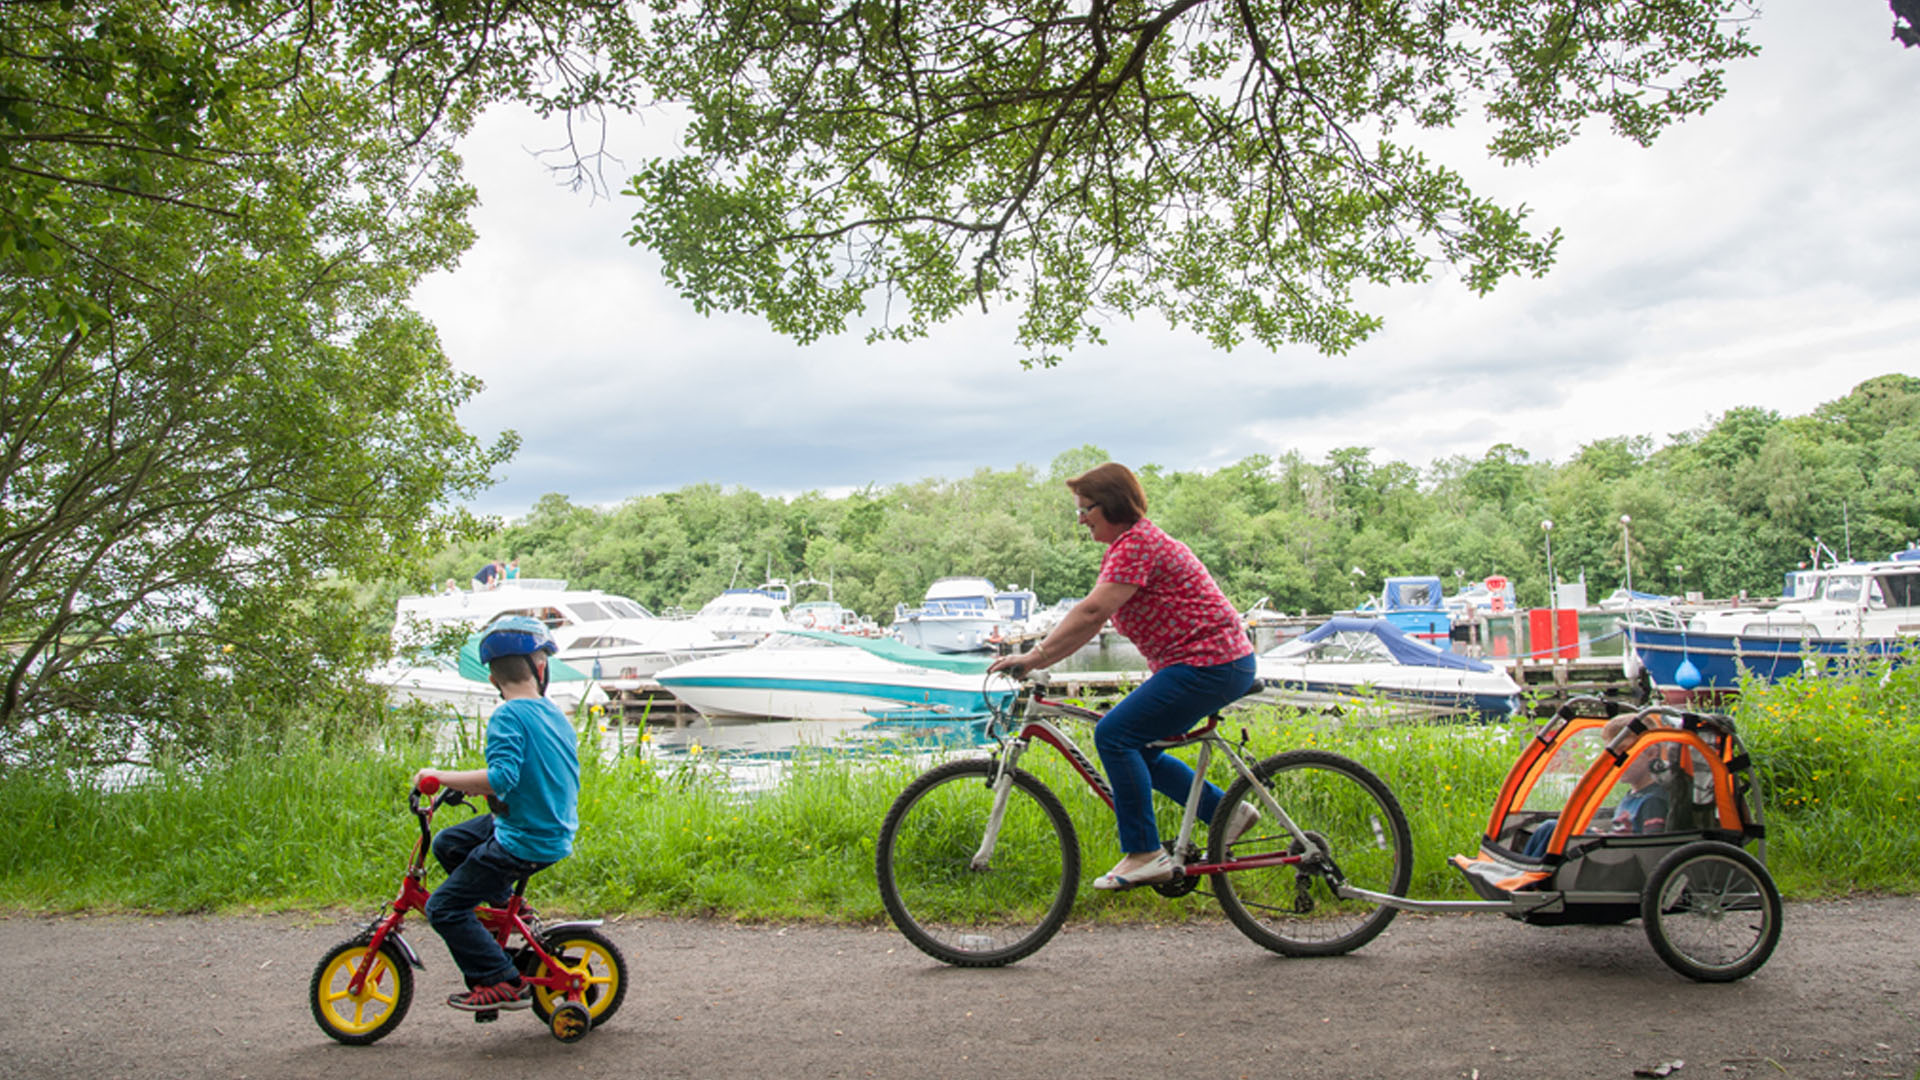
{"x": 1553, "y": 681}
{"x": 640, "y": 702}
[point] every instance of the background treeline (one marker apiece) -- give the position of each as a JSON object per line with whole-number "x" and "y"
{"x": 1720, "y": 509}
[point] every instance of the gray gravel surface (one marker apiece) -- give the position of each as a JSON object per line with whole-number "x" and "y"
{"x": 1438, "y": 996}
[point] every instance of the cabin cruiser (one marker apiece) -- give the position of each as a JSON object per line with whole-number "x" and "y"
{"x": 1347, "y": 660}
{"x": 815, "y": 675}
{"x": 1417, "y": 606}
{"x": 460, "y": 686}
{"x": 963, "y": 614}
{"x": 745, "y": 616}
{"x": 1855, "y": 610}
{"x": 604, "y": 635}
{"x": 829, "y": 615}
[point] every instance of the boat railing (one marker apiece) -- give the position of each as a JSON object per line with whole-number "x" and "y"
{"x": 1654, "y": 618}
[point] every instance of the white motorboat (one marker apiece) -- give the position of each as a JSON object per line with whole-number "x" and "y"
{"x": 440, "y": 682}
{"x": 746, "y": 616}
{"x": 962, "y": 614}
{"x": 1347, "y": 660}
{"x": 1856, "y": 610}
{"x": 814, "y": 675}
{"x": 604, "y": 635}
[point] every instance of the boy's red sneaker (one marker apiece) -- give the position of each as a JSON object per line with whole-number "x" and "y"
{"x": 507, "y": 995}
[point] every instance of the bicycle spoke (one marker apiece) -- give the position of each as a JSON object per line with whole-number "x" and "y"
{"x": 1341, "y": 806}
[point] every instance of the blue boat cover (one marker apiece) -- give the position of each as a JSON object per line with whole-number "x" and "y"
{"x": 1404, "y": 649}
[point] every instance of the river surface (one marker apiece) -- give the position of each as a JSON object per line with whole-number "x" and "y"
{"x": 754, "y": 755}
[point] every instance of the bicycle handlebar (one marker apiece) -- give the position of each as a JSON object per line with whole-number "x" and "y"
{"x": 430, "y": 786}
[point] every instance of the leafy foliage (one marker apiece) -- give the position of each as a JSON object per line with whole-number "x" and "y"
{"x": 213, "y": 396}
{"x": 1237, "y": 167}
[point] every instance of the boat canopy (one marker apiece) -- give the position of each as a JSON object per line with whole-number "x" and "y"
{"x": 1411, "y": 594}
{"x": 472, "y": 667}
{"x": 889, "y": 649}
{"x": 1397, "y": 644}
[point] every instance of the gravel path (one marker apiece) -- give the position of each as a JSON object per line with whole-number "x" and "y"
{"x": 1436, "y": 997}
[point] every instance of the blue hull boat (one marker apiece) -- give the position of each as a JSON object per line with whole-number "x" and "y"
{"x": 1683, "y": 663}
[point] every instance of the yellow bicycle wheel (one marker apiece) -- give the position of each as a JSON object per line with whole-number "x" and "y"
{"x": 597, "y": 959}
{"x": 358, "y": 1019}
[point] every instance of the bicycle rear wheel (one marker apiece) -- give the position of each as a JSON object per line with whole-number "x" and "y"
{"x": 968, "y": 915}
{"x": 1339, "y": 803}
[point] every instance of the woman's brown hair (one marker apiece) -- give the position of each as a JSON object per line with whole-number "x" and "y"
{"x": 1114, "y": 489}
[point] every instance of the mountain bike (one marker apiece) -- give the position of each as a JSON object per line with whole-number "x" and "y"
{"x": 361, "y": 989}
{"x": 978, "y": 861}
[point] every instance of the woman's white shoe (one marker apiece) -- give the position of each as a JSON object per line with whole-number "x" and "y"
{"x": 1245, "y": 816}
{"x": 1152, "y": 872}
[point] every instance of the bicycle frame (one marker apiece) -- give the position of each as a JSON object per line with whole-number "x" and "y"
{"x": 502, "y": 922}
{"x": 1015, "y": 730}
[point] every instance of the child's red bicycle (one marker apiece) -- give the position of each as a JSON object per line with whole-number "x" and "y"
{"x": 362, "y": 988}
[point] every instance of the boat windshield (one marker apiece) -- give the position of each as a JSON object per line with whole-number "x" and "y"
{"x": 729, "y": 605}
{"x": 627, "y": 608}
{"x": 1843, "y": 588}
{"x": 1341, "y": 648}
{"x": 588, "y": 611}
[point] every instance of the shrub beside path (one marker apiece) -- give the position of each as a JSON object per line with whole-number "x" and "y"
{"x": 1436, "y": 997}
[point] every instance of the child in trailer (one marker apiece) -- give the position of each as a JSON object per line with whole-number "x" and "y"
{"x": 532, "y": 784}
{"x": 1643, "y": 810}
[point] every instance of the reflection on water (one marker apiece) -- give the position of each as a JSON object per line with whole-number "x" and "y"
{"x": 754, "y": 755}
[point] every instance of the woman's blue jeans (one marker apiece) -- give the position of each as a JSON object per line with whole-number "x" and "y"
{"x": 479, "y": 871}
{"x": 1169, "y": 703}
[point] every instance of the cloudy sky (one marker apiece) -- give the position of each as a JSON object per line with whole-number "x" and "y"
{"x": 1766, "y": 254}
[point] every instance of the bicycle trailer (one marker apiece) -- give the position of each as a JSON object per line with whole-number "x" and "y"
{"x": 1613, "y": 813}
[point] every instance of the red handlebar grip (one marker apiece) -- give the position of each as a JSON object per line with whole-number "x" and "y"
{"x": 429, "y": 785}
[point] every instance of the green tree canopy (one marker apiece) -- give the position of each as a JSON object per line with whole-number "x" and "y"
{"x": 1236, "y": 166}
{"x": 213, "y": 395}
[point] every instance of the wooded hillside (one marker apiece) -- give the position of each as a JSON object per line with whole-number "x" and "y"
{"x": 1721, "y": 509}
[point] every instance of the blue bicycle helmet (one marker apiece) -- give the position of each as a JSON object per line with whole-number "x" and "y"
{"x": 515, "y": 635}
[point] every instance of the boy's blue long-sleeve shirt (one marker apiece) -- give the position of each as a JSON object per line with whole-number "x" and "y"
{"x": 533, "y": 768}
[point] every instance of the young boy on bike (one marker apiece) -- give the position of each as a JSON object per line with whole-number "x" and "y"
{"x": 532, "y": 783}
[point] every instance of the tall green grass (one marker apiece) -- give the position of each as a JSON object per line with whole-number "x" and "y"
{"x": 1840, "y": 761}
{"x": 312, "y": 826}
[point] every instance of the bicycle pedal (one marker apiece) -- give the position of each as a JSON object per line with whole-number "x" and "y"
{"x": 486, "y": 1016}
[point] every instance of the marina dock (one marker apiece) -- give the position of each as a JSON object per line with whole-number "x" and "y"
{"x": 1548, "y": 680}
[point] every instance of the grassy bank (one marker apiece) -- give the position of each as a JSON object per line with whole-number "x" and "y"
{"x": 323, "y": 827}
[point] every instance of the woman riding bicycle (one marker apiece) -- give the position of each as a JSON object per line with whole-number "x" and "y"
{"x": 1164, "y": 601}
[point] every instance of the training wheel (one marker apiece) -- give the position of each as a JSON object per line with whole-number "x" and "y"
{"x": 570, "y": 1022}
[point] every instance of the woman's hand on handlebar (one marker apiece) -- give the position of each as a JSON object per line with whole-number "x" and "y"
{"x": 1019, "y": 666}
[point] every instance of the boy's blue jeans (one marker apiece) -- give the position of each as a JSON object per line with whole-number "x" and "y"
{"x": 1169, "y": 703}
{"x": 479, "y": 871}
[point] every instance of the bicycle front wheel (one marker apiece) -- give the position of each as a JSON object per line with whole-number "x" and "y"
{"x": 957, "y": 901}
{"x": 1346, "y": 811}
